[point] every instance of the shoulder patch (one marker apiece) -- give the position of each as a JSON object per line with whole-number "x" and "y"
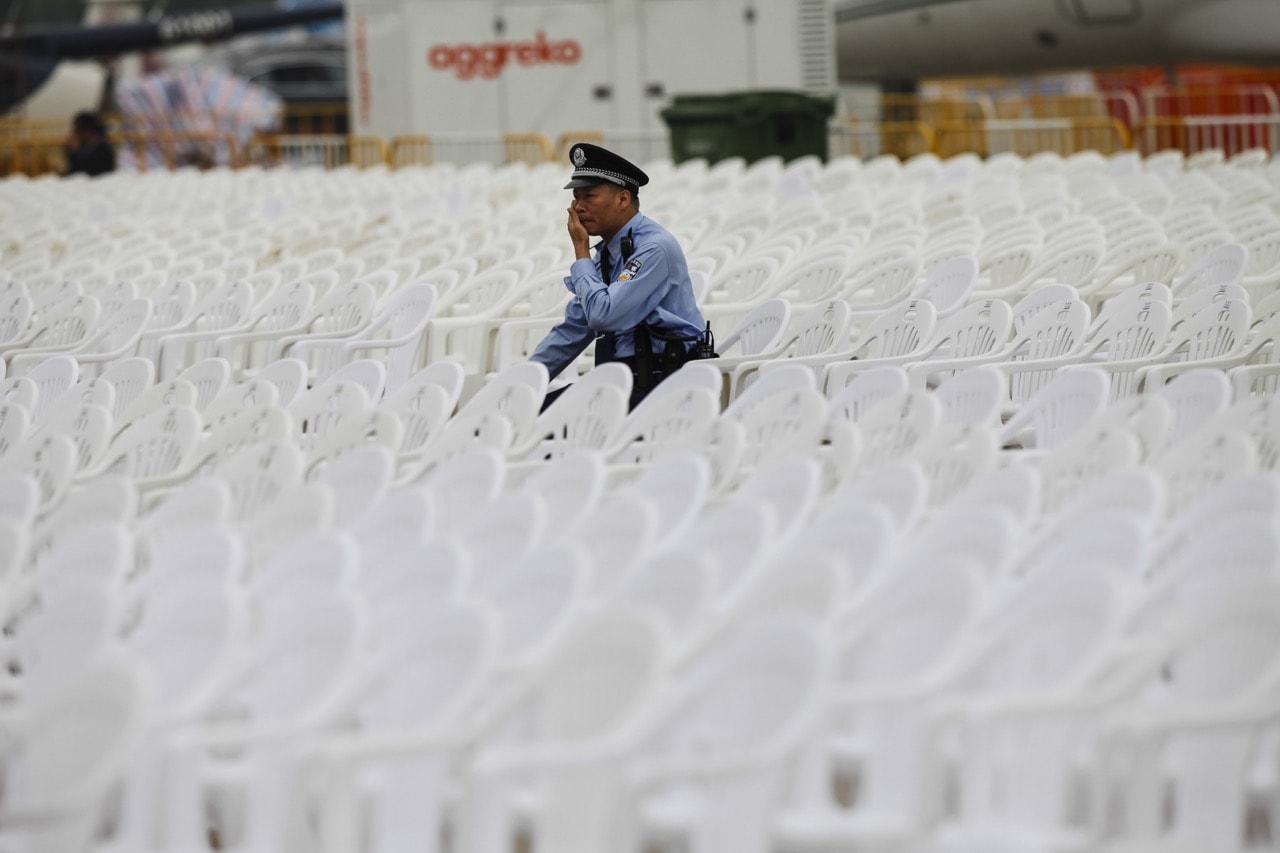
{"x": 632, "y": 267}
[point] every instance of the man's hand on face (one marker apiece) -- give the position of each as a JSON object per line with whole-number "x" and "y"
{"x": 578, "y": 234}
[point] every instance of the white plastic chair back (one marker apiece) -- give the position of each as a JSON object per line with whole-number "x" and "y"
{"x": 1062, "y": 407}
{"x": 898, "y": 331}
{"x": 1037, "y": 300}
{"x": 973, "y": 397}
{"x": 325, "y": 408}
{"x": 817, "y": 278}
{"x": 880, "y": 280}
{"x": 89, "y": 426}
{"x": 1195, "y": 398}
{"x": 537, "y": 603}
{"x": 893, "y": 427}
{"x": 747, "y": 280}
{"x": 20, "y": 391}
{"x": 1089, "y": 455}
{"x": 48, "y": 459}
{"x": 288, "y": 375}
{"x": 74, "y": 747}
{"x": 52, "y": 377}
{"x": 760, "y": 689}
{"x": 15, "y": 423}
{"x": 129, "y": 377}
{"x": 1224, "y": 264}
{"x": 370, "y": 374}
{"x": 209, "y": 376}
{"x": 785, "y": 422}
{"x": 950, "y": 284}
{"x": 465, "y": 486}
{"x": 761, "y": 331}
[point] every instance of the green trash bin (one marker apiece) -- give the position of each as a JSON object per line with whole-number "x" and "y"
{"x": 751, "y": 125}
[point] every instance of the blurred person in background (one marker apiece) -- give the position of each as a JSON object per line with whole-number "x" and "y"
{"x": 88, "y": 150}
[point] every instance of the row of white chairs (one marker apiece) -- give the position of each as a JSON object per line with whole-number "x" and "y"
{"x": 772, "y": 545}
{"x": 356, "y": 614}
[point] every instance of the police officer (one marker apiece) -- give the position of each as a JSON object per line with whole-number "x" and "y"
{"x": 634, "y": 299}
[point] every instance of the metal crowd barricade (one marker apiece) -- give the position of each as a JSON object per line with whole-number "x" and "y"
{"x": 142, "y": 151}
{"x": 895, "y": 108}
{"x": 465, "y": 148}
{"x": 1094, "y": 105}
{"x": 413, "y": 150}
{"x": 1191, "y": 134}
{"x": 42, "y": 155}
{"x": 865, "y": 140}
{"x": 1248, "y": 99}
{"x": 32, "y": 155}
{"x": 531, "y": 148}
{"x": 312, "y": 150}
{"x": 1030, "y": 136}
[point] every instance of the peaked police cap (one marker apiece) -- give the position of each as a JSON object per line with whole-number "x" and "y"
{"x": 595, "y": 165}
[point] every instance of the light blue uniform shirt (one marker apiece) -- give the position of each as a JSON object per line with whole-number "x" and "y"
{"x": 651, "y": 286}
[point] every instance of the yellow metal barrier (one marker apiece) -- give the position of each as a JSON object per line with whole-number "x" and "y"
{"x": 327, "y": 151}
{"x": 567, "y": 140}
{"x": 34, "y": 155}
{"x": 1190, "y": 134}
{"x": 142, "y": 151}
{"x": 411, "y": 151}
{"x": 1031, "y": 136}
{"x": 866, "y": 140}
{"x": 898, "y": 108}
{"x": 18, "y": 127}
{"x": 532, "y": 148}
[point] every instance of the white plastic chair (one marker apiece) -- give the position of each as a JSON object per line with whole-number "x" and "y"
{"x": 1054, "y": 333}
{"x": 1224, "y": 264}
{"x": 785, "y": 422}
{"x": 973, "y": 397}
{"x": 1195, "y": 398}
{"x": 15, "y": 424}
{"x": 89, "y": 426}
{"x": 949, "y": 285}
{"x": 289, "y": 376}
{"x": 1214, "y": 337}
{"x": 52, "y": 378}
{"x": 325, "y": 408}
{"x": 465, "y": 485}
{"x": 225, "y": 311}
{"x": 1037, "y": 300}
{"x": 783, "y": 664}
{"x": 896, "y": 336}
{"x": 819, "y": 332}
{"x": 677, "y": 485}
{"x": 70, "y": 750}
{"x": 973, "y": 332}
{"x": 307, "y": 658}
{"x": 210, "y": 377}
{"x": 424, "y": 683}
{"x": 1067, "y": 403}
{"x": 395, "y": 335}
{"x": 127, "y": 378}
{"x": 50, "y": 460}
{"x": 759, "y": 333}
{"x": 65, "y": 329}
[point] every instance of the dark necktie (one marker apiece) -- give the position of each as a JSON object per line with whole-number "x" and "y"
{"x": 605, "y": 344}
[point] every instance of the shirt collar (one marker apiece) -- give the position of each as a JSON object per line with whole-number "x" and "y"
{"x": 615, "y": 245}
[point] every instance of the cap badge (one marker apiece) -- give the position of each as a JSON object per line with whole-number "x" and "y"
{"x": 579, "y": 157}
